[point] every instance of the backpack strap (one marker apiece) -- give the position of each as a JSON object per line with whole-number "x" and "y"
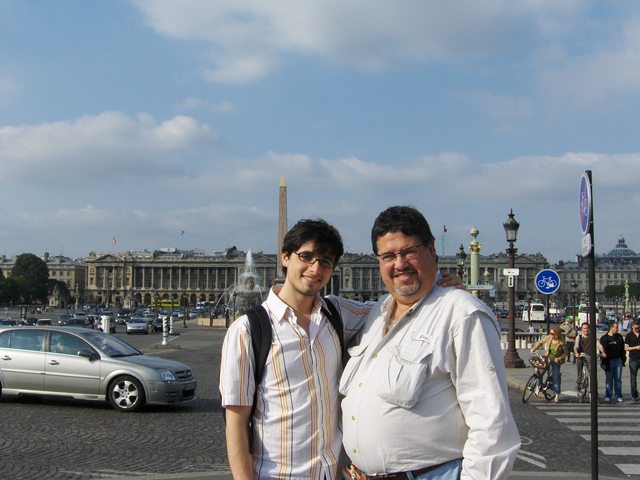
{"x": 261, "y": 336}
{"x": 335, "y": 319}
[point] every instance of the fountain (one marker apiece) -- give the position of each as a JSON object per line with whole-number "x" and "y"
{"x": 246, "y": 293}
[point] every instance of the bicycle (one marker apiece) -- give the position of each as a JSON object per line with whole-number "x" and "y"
{"x": 582, "y": 384}
{"x": 540, "y": 381}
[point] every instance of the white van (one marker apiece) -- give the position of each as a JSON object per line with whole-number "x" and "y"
{"x": 534, "y": 313}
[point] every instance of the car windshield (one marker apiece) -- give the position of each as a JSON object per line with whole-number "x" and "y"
{"x": 109, "y": 345}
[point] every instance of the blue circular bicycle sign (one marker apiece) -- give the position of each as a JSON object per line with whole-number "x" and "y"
{"x": 547, "y": 281}
{"x": 585, "y": 203}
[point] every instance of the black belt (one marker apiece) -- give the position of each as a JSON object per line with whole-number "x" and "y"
{"x": 403, "y": 475}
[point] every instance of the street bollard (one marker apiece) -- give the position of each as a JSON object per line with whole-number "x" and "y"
{"x": 165, "y": 330}
{"x": 171, "y": 325}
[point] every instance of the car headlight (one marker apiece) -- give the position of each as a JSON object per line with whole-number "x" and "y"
{"x": 166, "y": 375}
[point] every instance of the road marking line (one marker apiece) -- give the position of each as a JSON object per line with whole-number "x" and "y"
{"x": 629, "y": 468}
{"x": 600, "y": 420}
{"x": 614, "y": 438}
{"x": 600, "y": 414}
{"x": 619, "y": 451}
{"x": 524, "y": 456}
{"x": 602, "y": 428}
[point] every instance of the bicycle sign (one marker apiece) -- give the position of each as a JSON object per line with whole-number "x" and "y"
{"x": 547, "y": 281}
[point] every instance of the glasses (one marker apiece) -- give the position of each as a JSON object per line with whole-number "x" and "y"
{"x": 408, "y": 253}
{"x": 309, "y": 258}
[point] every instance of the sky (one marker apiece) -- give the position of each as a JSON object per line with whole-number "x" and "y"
{"x": 170, "y": 123}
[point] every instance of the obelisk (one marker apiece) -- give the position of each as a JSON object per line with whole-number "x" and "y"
{"x": 282, "y": 229}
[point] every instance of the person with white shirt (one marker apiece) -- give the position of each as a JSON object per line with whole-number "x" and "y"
{"x": 425, "y": 394}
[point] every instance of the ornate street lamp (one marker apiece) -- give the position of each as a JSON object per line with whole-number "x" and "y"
{"x": 574, "y": 307}
{"x": 511, "y": 357}
{"x": 461, "y": 256}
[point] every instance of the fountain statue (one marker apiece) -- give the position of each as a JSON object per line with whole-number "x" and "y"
{"x": 245, "y": 293}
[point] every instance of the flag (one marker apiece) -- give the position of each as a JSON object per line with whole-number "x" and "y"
{"x": 444, "y": 229}
{"x": 113, "y": 241}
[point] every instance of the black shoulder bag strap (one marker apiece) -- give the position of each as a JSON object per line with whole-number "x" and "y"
{"x": 261, "y": 335}
{"x": 333, "y": 315}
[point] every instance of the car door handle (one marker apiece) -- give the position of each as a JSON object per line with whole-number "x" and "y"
{"x": 6, "y": 357}
{"x": 54, "y": 362}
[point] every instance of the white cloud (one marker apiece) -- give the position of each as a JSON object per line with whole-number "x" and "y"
{"x": 108, "y": 145}
{"x": 194, "y": 103}
{"x": 248, "y": 36}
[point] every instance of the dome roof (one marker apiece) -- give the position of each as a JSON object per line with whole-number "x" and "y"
{"x": 621, "y": 250}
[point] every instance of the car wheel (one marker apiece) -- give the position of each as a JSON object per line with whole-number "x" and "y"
{"x": 126, "y": 394}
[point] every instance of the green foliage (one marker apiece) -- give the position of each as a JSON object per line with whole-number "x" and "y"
{"x": 32, "y": 274}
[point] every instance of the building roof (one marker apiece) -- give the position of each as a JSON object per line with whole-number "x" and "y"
{"x": 621, "y": 250}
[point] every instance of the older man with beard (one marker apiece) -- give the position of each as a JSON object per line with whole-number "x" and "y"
{"x": 425, "y": 390}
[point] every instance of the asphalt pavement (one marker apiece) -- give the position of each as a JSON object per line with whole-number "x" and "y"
{"x": 516, "y": 379}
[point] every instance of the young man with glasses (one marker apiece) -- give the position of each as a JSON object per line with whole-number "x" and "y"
{"x": 632, "y": 345}
{"x": 425, "y": 394}
{"x": 295, "y": 427}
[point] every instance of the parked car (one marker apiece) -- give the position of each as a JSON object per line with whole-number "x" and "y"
{"x": 77, "y": 322}
{"x": 89, "y": 365}
{"x": 137, "y": 325}
{"x": 8, "y": 322}
{"x": 157, "y": 324}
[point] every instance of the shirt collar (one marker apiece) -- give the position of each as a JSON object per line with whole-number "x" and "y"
{"x": 283, "y": 312}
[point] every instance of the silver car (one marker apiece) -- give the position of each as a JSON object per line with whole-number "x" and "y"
{"x": 137, "y": 325}
{"x": 89, "y": 365}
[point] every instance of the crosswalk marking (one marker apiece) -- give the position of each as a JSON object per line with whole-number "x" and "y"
{"x": 616, "y": 426}
{"x": 603, "y": 428}
{"x": 587, "y": 414}
{"x": 600, "y": 420}
{"x": 614, "y": 438}
{"x": 629, "y": 468}
{"x": 619, "y": 451}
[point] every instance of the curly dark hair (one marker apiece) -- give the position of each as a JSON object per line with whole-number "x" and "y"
{"x": 326, "y": 237}
{"x": 405, "y": 219}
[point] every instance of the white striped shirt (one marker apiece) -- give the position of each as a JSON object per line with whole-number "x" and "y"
{"x": 296, "y": 423}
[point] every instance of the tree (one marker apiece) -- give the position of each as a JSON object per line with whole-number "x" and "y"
{"x": 33, "y": 273}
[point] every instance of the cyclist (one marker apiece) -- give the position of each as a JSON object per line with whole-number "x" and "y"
{"x": 582, "y": 345}
{"x": 555, "y": 350}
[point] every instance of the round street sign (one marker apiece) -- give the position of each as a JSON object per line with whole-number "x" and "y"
{"x": 547, "y": 281}
{"x": 585, "y": 203}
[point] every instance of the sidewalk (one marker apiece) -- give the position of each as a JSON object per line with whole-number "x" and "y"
{"x": 517, "y": 379}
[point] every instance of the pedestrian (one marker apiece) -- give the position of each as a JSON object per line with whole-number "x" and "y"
{"x": 425, "y": 392}
{"x": 555, "y": 351}
{"x": 632, "y": 345}
{"x": 614, "y": 357}
{"x": 582, "y": 346}
{"x": 568, "y": 327}
{"x": 294, "y": 431}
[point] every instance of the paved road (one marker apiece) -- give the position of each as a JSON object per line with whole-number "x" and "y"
{"x": 67, "y": 439}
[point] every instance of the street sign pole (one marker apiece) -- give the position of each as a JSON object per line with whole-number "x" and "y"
{"x": 588, "y": 251}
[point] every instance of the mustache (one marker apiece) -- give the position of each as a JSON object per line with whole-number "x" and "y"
{"x": 397, "y": 271}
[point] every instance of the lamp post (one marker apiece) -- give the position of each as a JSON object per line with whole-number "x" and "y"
{"x": 511, "y": 357}
{"x": 461, "y": 256}
{"x": 574, "y": 308}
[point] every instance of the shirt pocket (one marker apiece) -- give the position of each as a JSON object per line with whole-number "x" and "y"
{"x": 402, "y": 382}
{"x": 357, "y": 354}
